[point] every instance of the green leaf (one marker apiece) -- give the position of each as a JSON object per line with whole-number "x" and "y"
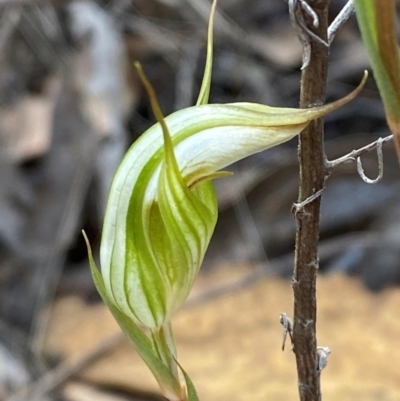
{"x": 191, "y": 389}
{"x": 377, "y": 22}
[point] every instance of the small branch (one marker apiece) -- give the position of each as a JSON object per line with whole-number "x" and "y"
{"x": 354, "y": 154}
{"x": 323, "y": 353}
{"x": 380, "y": 165}
{"x": 340, "y": 19}
{"x": 287, "y": 324}
{"x": 299, "y": 207}
{"x": 300, "y": 11}
{"x": 312, "y": 177}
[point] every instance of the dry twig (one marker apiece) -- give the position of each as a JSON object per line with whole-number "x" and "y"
{"x": 355, "y": 155}
{"x": 312, "y": 177}
{"x": 340, "y": 19}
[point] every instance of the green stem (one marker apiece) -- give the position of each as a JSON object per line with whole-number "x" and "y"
{"x": 164, "y": 346}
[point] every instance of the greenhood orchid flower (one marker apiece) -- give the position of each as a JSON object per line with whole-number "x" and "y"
{"x": 162, "y": 211}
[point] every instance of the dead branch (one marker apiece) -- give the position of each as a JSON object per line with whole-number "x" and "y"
{"x": 312, "y": 177}
{"x": 355, "y": 154}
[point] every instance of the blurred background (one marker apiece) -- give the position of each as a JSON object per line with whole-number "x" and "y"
{"x": 70, "y": 106}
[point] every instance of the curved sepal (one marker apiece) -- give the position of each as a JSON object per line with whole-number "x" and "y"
{"x": 206, "y": 83}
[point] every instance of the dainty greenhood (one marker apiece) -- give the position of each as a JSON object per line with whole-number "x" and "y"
{"x": 162, "y": 211}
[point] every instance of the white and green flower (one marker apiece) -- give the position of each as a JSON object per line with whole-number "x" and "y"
{"x": 162, "y": 211}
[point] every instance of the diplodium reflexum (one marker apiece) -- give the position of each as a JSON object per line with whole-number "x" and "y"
{"x": 162, "y": 211}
